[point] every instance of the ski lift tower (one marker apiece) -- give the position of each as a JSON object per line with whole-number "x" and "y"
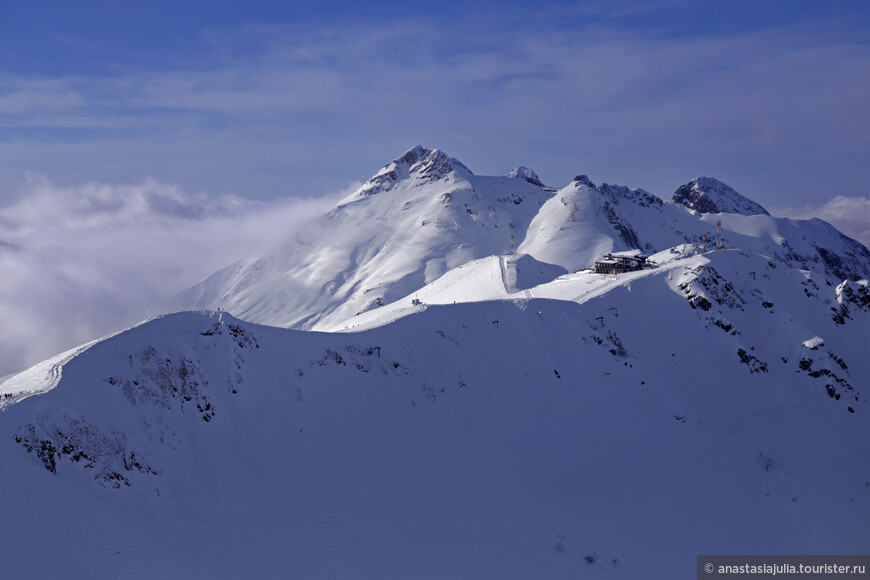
{"x": 718, "y": 234}
{"x": 511, "y": 226}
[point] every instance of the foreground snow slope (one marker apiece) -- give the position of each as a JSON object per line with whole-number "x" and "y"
{"x": 508, "y": 439}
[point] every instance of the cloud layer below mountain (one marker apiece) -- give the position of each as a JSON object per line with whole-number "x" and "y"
{"x": 81, "y": 262}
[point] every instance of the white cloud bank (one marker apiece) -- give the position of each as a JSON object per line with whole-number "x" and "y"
{"x": 81, "y": 262}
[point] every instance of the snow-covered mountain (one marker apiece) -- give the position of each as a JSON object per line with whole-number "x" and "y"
{"x": 501, "y": 412}
{"x": 426, "y": 213}
{"x": 421, "y": 215}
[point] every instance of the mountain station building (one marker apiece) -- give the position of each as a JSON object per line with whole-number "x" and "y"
{"x": 619, "y": 262}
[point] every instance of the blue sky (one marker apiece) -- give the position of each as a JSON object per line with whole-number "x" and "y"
{"x": 264, "y": 99}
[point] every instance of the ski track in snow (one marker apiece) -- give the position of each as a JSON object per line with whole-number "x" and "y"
{"x": 45, "y": 376}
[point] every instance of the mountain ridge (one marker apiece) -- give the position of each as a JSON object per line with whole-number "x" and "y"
{"x": 426, "y": 213}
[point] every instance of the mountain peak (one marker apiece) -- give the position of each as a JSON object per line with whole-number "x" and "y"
{"x": 709, "y": 195}
{"x": 418, "y": 162}
{"x": 583, "y": 180}
{"x": 523, "y": 172}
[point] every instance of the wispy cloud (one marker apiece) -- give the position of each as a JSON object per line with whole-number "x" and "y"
{"x": 308, "y": 108}
{"x": 20, "y": 97}
{"x": 81, "y": 262}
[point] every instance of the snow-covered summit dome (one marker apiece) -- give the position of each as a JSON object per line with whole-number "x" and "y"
{"x": 431, "y": 163}
{"x": 709, "y": 195}
{"x": 523, "y": 172}
{"x": 418, "y": 162}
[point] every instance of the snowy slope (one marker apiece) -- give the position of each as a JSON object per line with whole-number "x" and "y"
{"x": 582, "y": 222}
{"x": 566, "y": 232}
{"x": 558, "y": 440}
